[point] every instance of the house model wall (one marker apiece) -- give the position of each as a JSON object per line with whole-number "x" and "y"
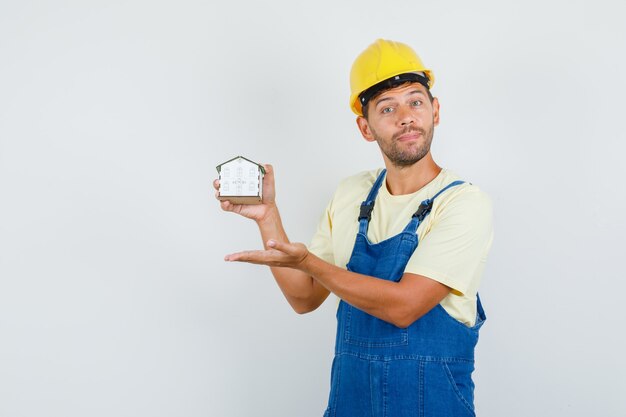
{"x": 241, "y": 181}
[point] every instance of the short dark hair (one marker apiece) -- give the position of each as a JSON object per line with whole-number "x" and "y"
{"x": 378, "y": 93}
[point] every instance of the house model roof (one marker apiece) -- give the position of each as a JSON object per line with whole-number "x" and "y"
{"x": 219, "y": 167}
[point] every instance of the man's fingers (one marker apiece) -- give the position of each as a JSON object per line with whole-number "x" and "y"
{"x": 239, "y": 256}
{"x": 279, "y": 254}
{"x": 269, "y": 173}
{"x": 216, "y": 185}
{"x": 283, "y": 247}
{"x": 252, "y": 256}
{"x": 228, "y": 206}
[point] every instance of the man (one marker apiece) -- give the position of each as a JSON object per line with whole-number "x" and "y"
{"x": 403, "y": 248}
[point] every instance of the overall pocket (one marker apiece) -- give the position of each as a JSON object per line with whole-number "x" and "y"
{"x": 365, "y": 330}
{"x": 448, "y": 390}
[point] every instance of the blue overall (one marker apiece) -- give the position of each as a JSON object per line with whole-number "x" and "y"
{"x": 381, "y": 370}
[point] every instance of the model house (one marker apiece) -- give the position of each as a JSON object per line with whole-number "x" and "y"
{"x": 241, "y": 181}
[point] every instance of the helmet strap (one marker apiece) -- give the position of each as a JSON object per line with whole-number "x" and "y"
{"x": 392, "y": 82}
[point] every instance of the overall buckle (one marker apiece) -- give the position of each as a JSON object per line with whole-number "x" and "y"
{"x": 423, "y": 210}
{"x": 366, "y": 211}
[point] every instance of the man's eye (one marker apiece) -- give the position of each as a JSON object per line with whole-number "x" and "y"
{"x": 416, "y": 103}
{"x": 387, "y": 109}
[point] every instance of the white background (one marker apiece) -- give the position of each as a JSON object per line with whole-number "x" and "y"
{"x": 114, "y": 298}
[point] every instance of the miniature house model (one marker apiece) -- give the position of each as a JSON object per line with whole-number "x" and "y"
{"x": 241, "y": 181}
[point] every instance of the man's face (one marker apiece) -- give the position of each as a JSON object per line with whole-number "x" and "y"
{"x": 402, "y": 120}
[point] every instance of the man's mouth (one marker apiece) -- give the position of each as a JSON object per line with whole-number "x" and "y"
{"x": 406, "y": 136}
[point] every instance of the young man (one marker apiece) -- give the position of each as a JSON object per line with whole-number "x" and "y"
{"x": 404, "y": 249}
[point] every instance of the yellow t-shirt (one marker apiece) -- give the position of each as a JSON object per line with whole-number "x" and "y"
{"x": 454, "y": 239}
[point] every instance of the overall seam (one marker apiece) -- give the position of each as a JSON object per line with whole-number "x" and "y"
{"x": 385, "y": 392}
{"x": 421, "y": 388}
{"x": 455, "y": 388}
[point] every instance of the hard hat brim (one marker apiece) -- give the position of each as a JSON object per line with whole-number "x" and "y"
{"x": 389, "y": 83}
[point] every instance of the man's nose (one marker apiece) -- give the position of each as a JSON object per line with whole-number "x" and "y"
{"x": 405, "y": 116}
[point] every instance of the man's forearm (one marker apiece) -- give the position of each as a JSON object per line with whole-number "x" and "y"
{"x": 399, "y": 303}
{"x": 302, "y": 292}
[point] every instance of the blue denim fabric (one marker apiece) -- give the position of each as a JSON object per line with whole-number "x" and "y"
{"x": 380, "y": 370}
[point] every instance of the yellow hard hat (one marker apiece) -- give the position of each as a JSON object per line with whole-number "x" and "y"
{"x": 381, "y": 61}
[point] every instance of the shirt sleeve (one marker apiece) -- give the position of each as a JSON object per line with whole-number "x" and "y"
{"x": 456, "y": 246}
{"x": 321, "y": 244}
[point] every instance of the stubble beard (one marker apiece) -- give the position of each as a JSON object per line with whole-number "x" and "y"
{"x": 402, "y": 158}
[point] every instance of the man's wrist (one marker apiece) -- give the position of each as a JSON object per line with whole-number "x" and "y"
{"x": 305, "y": 264}
{"x": 270, "y": 217}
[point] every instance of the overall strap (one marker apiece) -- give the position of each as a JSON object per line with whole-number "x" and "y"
{"x": 426, "y": 206}
{"x": 480, "y": 312}
{"x": 368, "y": 205}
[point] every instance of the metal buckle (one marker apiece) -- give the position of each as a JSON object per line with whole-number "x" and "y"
{"x": 366, "y": 211}
{"x": 423, "y": 210}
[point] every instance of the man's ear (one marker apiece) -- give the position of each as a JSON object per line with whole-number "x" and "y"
{"x": 364, "y": 128}
{"x": 435, "y": 111}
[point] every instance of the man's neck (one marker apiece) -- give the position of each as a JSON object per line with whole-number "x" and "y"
{"x": 409, "y": 179}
